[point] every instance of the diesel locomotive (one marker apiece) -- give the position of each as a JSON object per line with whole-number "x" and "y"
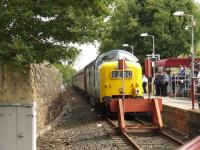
{"x": 115, "y": 74}
{"x": 113, "y": 83}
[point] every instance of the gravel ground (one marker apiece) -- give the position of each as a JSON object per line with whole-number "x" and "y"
{"x": 79, "y": 128}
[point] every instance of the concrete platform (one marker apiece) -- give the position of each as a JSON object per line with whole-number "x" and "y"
{"x": 178, "y": 115}
{"x": 178, "y": 102}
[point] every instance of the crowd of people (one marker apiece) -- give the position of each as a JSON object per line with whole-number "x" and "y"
{"x": 181, "y": 79}
{"x": 163, "y": 79}
{"x": 161, "y": 83}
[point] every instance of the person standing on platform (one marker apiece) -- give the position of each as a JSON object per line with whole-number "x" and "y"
{"x": 173, "y": 81}
{"x": 198, "y": 88}
{"x": 144, "y": 83}
{"x": 158, "y": 83}
{"x": 181, "y": 79}
{"x": 165, "y": 83}
{"x": 181, "y": 71}
{"x": 196, "y": 67}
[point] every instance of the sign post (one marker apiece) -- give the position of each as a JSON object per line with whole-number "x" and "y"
{"x": 148, "y": 73}
{"x": 154, "y": 58}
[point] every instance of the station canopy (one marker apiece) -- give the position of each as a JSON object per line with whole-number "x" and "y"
{"x": 175, "y": 62}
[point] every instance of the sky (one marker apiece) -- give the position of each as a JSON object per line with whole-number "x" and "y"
{"x": 88, "y": 54}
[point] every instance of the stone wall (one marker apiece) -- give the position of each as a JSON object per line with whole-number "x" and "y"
{"x": 40, "y": 83}
{"x": 15, "y": 85}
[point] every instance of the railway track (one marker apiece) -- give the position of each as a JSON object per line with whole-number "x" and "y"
{"x": 142, "y": 139}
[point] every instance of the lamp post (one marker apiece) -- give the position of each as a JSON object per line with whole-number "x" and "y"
{"x": 127, "y": 45}
{"x": 146, "y": 34}
{"x": 153, "y": 56}
{"x": 181, "y": 13}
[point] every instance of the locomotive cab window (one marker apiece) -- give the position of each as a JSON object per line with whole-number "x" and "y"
{"x": 115, "y": 55}
{"x": 107, "y": 58}
{"x": 127, "y": 56}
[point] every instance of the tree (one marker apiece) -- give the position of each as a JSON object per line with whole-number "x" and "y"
{"x": 67, "y": 72}
{"x": 132, "y": 17}
{"x": 38, "y": 31}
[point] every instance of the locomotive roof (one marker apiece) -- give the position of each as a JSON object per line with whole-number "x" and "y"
{"x": 121, "y": 54}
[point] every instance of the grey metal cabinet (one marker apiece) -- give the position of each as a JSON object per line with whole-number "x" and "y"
{"x": 17, "y": 126}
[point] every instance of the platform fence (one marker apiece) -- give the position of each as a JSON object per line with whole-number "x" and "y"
{"x": 195, "y": 95}
{"x": 180, "y": 86}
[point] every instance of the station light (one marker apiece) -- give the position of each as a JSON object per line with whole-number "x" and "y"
{"x": 144, "y": 34}
{"x": 179, "y": 13}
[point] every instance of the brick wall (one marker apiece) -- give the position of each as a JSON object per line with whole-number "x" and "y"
{"x": 175, "y": 118}
{"x": 194, "y": 123}
{"x": 40, "y": 83}
{"x": 184, "y": 121}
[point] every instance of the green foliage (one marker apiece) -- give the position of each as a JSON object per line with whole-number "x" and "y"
{"x": 38, "y": 31}
{"x": 130, "y": 18}
{"x": 67, "y": 72}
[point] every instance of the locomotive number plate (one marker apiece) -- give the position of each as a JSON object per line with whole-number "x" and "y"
{"x": 119, "y": 74}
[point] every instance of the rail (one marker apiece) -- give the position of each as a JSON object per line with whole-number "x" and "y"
{"x": 132, "y": 135}
{"x": 135, "y": 146}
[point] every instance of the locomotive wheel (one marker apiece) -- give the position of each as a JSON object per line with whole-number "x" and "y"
{"x": 108, "y": 113}
{"x": 99, "y": 108}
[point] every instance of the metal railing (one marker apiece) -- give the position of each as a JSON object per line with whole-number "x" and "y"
{"x": 195, "y": 90}
{"x": 180, "y": 85}
{"x": 186, "y": 85}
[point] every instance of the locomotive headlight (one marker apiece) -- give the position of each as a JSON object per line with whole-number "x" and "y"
{"x": 106, "y": 85}
{"x": 136, "y": 85}
{"x": 137, "y": 91}
{"x": 121, "y": 90}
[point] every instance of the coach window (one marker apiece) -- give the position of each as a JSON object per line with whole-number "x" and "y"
{"x": 94, "y": 76}
{"x": 90, "y": 76}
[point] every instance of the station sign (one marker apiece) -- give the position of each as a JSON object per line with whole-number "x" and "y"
{"x": 153, "y": 58}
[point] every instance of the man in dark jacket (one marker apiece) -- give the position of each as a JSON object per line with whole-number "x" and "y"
{"x": 165, "y": 83}
{"x": 158, "y": 83}
{"x": 173, "y": 80}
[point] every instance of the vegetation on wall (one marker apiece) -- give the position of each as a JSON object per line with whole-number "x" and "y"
{"x": 130, "y": 18}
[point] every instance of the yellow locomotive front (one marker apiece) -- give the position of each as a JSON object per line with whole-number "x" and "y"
{"x": 120, "y": 75}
